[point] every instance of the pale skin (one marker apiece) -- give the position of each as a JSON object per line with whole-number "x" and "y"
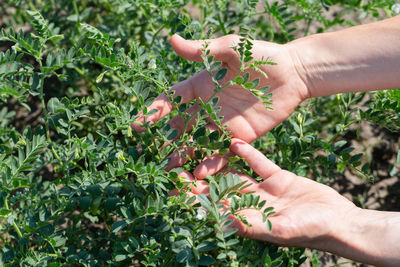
{"x": 361, "y": 58}
{"x": 313, "y": 215}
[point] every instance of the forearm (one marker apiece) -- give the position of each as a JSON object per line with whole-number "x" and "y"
{"x": 360, "y": 58}
{"x": 367, "y": 236}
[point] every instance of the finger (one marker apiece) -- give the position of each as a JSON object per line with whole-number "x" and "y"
{"x": 178, "y": 122}
{"x": 258, "y": 229}
{"x": 186, "y": 177}
{"x": 192, "y": 49}
{"x": 163, "y": 105}
{"x": 257, "y": 161}
{"x": 179, "y": 157}
{"x": 253, "y": 184}
{"x": 211, "y": 165}
{"x": 197, "y": 187}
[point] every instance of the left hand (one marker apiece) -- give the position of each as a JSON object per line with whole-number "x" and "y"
{"x": 244, "y": 114}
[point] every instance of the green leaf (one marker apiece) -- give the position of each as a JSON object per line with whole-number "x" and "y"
{"x": 221, "y": 256}
{"x": 221, "y": 74}
{"x": 232, "y": 242}
{"x": 246, "y": 77}
{"x": 118, "y": 226}
{"x": 203, "y": 140}
{"x": 355, "y": 158}
{"x": 84, "y": 202}
{"x": 206, "y": 260}
{"x": 100, "y": 77}
{"x": 54, "y": 104}
{"x": 214, "y": 192}
{"x": 204, "y": 201}
{"x": 133, "y": 242}
{"x": 230, "y": 232}
{"x": 184, "y": 256}
{"x": 201, "y": 131}
{"x": 269, "y": 225}
{"x": 248, "y": 58}
{"x": 206, "y": 246}
{"x": 172, "y": 134}
{"x": 120, "y": 257}
{"x": 34, "y": 82}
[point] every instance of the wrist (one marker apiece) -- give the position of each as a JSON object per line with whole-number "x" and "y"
{"x": 366, "y": 236}
{"x": 313, "y": 63}
{"x": 299, "y": 78}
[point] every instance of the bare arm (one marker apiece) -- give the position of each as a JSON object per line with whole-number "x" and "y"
{"x": 313, "y": 215}
{"x": 368, "y": 236}
{"x": 360, "y": 58}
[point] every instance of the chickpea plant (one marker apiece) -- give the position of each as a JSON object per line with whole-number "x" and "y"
{"x": 79, "y": 187}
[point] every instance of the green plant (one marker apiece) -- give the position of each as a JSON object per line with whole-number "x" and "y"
{"x": 79, "y": 187}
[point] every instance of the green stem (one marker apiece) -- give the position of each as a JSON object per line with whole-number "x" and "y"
{"x": 343, "y": 128}
{"x": 155, "y": 35}
{"x": 308, "y": 27}
{"x": 221, "y": 24}
{"x": 14, "y": 224}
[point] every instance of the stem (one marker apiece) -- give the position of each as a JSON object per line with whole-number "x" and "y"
{"x": 343, "y": 128}
{"x": 308, "y": 27}
{"x": 221, "y": 24}
{"x": 14, "y": 224}
{"x": 155, "y": 35}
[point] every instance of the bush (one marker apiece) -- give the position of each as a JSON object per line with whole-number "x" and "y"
{"x": 79, "y": 187}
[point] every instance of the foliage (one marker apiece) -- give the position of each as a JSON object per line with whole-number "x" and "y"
{"x": 79, "y": 187}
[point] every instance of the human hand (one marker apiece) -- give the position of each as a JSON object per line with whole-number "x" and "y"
{"x": 244, "y": 115}
{"x": 307, "y": 212}
{"x": 310, "y": 214}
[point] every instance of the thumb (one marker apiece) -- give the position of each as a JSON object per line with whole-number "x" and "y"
{"x": 220, "y": 48}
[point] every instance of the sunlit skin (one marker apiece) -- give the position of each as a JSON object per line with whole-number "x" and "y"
{"x": 310, "y": 214}
{"x": 361, "y": 58}
{"x": 244, "y": 115}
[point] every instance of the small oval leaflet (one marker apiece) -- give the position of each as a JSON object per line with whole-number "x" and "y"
{"x": 221, "y": 74}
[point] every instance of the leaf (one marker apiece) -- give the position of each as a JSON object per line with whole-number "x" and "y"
{"x": 248, "y": 58}
{"x": 206, "y": 246}
{"x": 34, "y": 82}
{"x": 246, "y": 77}
{"x": 201, "y": 131}
{"x": 203, "y": 141}
{"x": 221, "y": 74}
{"x": 121, "y": 257}
{"x": 204, "y": 201}
{"x": 232, "y": 242}
{"x": 183, "y": 231}
{"x": 100, "y": 77}
{"x": 221, "y": 256}
{"x": 206, "y": 260}
{"x": 269, "y": 225}
{"x": 91, "y": 31}
{"x": 355, "y": 158}
{"x": 172, "y": 134}
{"x": 39, "y": 23}
{"x": 184, "y": 256}
{"x": 84, "y": 202}
{"x": 214, "y": 192}
{"x": 54, "y": 104}
{"x": 133, "y": 242}
{"x": 118, "y": 226}
{"x": 230, "y": 232}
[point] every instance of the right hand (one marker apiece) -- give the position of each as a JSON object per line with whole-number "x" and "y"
{"x": 244, "y": 115}
{"x": 307, "y": 212}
